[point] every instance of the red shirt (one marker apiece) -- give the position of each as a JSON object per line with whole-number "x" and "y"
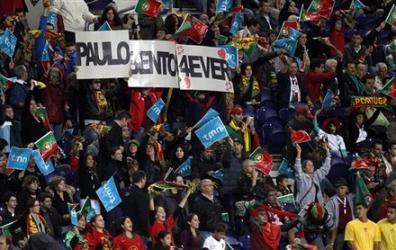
{"x": 265, "y": 236}
{"x": 345, "y": 215}
{"x": 157, "y": 227}
{"x": 121, "y": 242}
{"x": 98, "y": 240}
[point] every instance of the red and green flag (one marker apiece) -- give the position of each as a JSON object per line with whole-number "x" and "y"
{"x": 42, "y": 113}
{"x": 5, "y": 83}
{"x": 391, "y": 18}
{"x": 362, "y": 194}
{"x": 148, "y": 8}
{"x": 192, "y": 28}
{"x": 6, "y": 229}
{"x": 262, "y": 159}
{"x": 47, "y": 146}
{"x": 318, "y": 9}
{"x": 390, "y": 88}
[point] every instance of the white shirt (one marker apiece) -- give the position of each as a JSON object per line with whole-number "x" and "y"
{"x": 213, "y": 244}
{"x": 74, "y": 12}
{"x": 295, "y": 93}
{"x": 336, "y": 142}
{"x": 362, "y": 135}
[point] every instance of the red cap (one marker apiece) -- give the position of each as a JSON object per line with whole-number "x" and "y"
{"x": 236, "y": 110}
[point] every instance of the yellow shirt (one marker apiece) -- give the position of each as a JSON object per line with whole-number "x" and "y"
{"x": 363, "y": 234}
{"x": 388, "y": 234}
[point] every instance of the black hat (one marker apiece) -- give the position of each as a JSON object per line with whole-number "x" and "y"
{"x": 341, "y": 182}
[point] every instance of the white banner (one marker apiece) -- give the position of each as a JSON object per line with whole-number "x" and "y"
{"x": 102, "y": 54}
{"x": 153, "y": 64}
{"x": 161, "y": 64}
{"x": 203, "y": 68}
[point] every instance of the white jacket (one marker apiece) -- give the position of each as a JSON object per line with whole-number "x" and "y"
{"x": 74, "y": 12}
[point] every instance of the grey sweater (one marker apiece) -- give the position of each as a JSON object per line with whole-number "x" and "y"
{"x": 309, "y": 186}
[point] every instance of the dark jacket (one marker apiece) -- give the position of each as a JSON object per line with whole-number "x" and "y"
{"x": 265, "y": 26}
{"x": 200, "y": 167}
{"x": 89, "y": 183}
{"x": 232, "y": 171}
{"x": 283, "y": 91}
{"x": 136, "y": 207}
{"x": 209, "y": 212}
{"x": 152, "y": 169}
{"x": 61, "y": 205}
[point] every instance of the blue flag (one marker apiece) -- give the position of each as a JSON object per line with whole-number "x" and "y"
{"x": 213, "y": 131}
{"x": 45, "y": 168}
{"x": 293, "y": 34}
{"x": 219, "y": 175}
{"x": 223, "y": 6}
{"x": 52, "y": 18}
{"x": 5, "y": 133}
{"x": 285, "y": 169}
{"x": 236, "y": 23}
{"x": 357, "y": 4}
{"x": 155, "y": 110}
{"x": 108, "y": 195}
{"x": 207, "y": 117}
{"x": 19, "y": 158}
{"x": 8, "y": 43}
{"x": 328, "y": 100}
{"x": 45, "y": 55}
{"x": 231, "y": 56}
{"x": 73, "y": 217}
{"x": 185, "y": 168}
{"x": 288, "y": 44}
{"x": 105, "y": 27}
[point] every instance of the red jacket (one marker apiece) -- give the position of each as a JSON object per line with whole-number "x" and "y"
{"x": 53, "y": 98}
{"x": 138, "y": 109}
{"x": 265, "y": 236}
{"x": 338, "y": 40}
{"x": 313, "y": 82}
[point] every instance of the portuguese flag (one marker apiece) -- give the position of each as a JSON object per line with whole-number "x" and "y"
{"x": 42, "y": 113}
{"x": 262, "y": 159}
{"x": 47, "y": 146}
{"x": 390, "y": 88}
{"x": 192, "y": 28}
{"x": 148, "y": 8}
{"x": 5, "y": 83}
{"x": 318, "y": 9}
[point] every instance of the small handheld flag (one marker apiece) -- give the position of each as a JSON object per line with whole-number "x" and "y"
{"x": 155, "y": 110}
{"x": 19, "y": 158}
{"x": 108, "y": 195}
{"x": 184, "y": 169}
{"x": 211, "y": 132}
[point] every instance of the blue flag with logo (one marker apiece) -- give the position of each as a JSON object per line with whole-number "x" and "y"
{"x": 288, "y": 44}
{"x": 219, "y": 175}
{"x": 105, "y": 27}
{"x": 45, "y": 168}
{"x": 231, "y": 56}
{"x": 8, "y": 42}
{"x": 207, "y": 117}
{"x": 45, "y": 55}
{"x": 285, "y": 169}
{"x": 155, "y": 110}
{"x": 223, "y": 6}
{"x": 236, "y": 23}
{"x": 52, "y": 18}
{"x": 73, "y": 217}
{"x": 108, "y": 195}
{"x": 293, "y": 34}
{"x": 211, "y": 132}
{"x": 19, "y": 158}
{"x": 185, "y": 168}
{"x": 328, "y": 100}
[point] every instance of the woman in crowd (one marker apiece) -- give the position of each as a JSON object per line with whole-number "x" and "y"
{"x": 110, "y": 15}
{"x": 164, "y": 241}
{"x": 33, "y": 127}
{"x": 126, "y": 239}
{"x": 75, "y": 238}
{"x": 98, "y": 238}
{"x": 61, "y": 196}
{"x": 191, "y": 238}
{"x": 89, "y": 180}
